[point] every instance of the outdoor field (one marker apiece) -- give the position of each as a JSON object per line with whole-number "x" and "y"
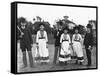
{"x": 50, "y": 66}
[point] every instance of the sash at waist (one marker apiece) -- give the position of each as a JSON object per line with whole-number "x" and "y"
{"x": 77, "y": 40}
{"x": 41, "y": 37}
{"x": 64, "y": 40}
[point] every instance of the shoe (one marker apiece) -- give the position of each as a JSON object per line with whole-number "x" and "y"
{"x": 45, "y": 63}
{"x": 88, "y": 65}
{"x": 32, "y": 66}
{"x": 54, "y": 64}
{"x": 61, "y": 63}
{"x": 81, "y": 63}
{"x": 76, "y": 62}
{"x": 24, "y": 66}
{"x": 66, "y": 63}
{"x": 42, "y": 63}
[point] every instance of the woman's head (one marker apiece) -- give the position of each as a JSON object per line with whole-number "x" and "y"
{"x": 41, "y": 26}
{"x": 65, "y": 31}
{"x": 33, "y": 27}
{"x": 76, "y": 30}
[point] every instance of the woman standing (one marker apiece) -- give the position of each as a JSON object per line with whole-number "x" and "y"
{"x": 65, "y": 54}
{"x": 77, "y": 46}
{"x": 41, "y": 40}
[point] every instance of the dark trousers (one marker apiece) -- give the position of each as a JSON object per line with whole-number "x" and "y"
{"x": 30, "y": 58}
{"x": 57, "y": 48}
{"x": 88, "y": 53}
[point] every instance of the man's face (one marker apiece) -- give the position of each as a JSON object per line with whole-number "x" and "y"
{"x": 56, "y": 28}
{"x": 33, "y": 27}
{"x": 60, "y": 27}
{"x": 88, "y": 30}
{"x": 23, "y": 25}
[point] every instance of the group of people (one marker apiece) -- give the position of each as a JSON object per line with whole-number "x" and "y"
{"x": 63, "y": 43}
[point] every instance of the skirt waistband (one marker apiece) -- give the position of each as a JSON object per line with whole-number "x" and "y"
{"x": 77, "y": 40}
{"x": 41, "y": 37}
{"x": 64, "y": 40}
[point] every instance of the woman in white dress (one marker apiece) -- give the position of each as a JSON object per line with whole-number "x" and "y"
{"x": 77, "y": 46}
{"x": 41, "y": 40}
{"x": 65, "y": 53}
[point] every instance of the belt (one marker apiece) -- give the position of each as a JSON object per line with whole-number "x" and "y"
{"x": 64, "y": 40}
{"x": 41, "y": 37}
{"x": 77, "y": 40}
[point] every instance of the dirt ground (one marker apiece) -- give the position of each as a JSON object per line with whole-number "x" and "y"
{"x": 50, "y": 66}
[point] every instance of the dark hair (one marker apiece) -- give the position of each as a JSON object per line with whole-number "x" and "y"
{"x": 41, "y": 24}
{"x": 76, "y": 28}
{"x": 89, "y": 26}
{"x": 22, "y": 19}
{"x": 66, "y": 28}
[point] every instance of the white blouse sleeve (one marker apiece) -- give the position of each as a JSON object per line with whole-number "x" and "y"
{"x": 73, "y": 37}
{"x": 69, "y": 39}
{"x": 37, "y": 37}
{"x": 46, "y": 36}
{"x": 81, "y": 40}
{"x": 61, "y": 38}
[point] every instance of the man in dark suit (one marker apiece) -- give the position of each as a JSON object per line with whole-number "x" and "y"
{"x": 88, "y": 42}
{"x": 57, "y": 35}
{"x": 26, "y": 44}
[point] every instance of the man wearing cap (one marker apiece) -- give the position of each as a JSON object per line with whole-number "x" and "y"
{"x": 88, "y": 42}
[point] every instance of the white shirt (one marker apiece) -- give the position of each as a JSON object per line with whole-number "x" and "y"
{"x": 39, "y": 35}
{"x": 67, "y": 38}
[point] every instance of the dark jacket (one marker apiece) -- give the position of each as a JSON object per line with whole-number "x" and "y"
{"x": 57, "y": 36}
{"x": 88, "y": 40}
{"x": 26, "y": 39}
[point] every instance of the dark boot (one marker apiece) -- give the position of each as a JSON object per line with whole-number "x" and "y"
{"x": 45, "y": 63}
{"x": 61, "y": 63}
{"x": 42, "y": 63}
{"x": 81, "y": 63}
{"x": 76, "y": 62}
{"x": 66, "y": 62}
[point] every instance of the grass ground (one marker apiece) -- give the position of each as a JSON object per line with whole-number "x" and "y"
{"x": 50, "y": 66}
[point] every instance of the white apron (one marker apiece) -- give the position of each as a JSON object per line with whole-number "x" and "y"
{"x": 65, "y": 53}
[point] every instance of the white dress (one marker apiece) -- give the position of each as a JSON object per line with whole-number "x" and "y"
{"x": 65, "y": 53}
{"x": 77, "y": 46}
{"x": 42, "y": 46}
